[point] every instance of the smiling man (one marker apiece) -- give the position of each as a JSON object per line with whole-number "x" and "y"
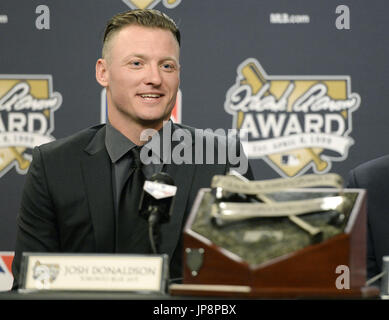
{"x": 82, "y": 192}
{"x": 141, "y": 71}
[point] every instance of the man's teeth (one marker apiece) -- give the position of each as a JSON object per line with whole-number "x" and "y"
{"x": 150, "y": 95}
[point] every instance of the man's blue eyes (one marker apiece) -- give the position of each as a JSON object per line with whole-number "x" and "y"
{"x": 164, "y": 66}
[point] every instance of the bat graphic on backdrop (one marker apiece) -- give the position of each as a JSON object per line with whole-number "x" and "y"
{"x": 10, "y": 154}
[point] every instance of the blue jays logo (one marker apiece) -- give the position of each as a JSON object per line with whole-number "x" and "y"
{"x": 44, "y": 274}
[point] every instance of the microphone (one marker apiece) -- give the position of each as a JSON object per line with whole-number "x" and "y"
{"x": 157, "y": 202}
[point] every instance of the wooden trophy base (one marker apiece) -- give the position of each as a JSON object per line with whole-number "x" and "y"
{"x": 335, "y": 267}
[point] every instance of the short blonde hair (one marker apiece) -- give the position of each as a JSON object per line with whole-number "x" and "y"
{"x": 142, "y": 17}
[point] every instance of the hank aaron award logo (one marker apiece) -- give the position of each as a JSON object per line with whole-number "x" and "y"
{"x": 27, "y": 105}
{"x": 294, "y": 123}
{"x": 148, "y": 4}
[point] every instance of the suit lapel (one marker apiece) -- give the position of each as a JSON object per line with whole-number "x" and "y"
{"x": 96, "y": 168}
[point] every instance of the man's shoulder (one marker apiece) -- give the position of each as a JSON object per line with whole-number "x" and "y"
{"x": 374, "y": 165}
{"x": 78, "y": 140}
{"x": 371, "y": 174}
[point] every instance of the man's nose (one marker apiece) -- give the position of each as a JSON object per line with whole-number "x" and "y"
{"x": 153, "y": 75}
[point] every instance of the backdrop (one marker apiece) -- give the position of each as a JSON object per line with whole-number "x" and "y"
{"x": 306, "y": 79}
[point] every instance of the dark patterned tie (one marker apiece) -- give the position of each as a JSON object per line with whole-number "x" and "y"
{"x": 132, "y": 229}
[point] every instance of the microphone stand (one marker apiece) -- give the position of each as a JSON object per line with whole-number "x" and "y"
{"x": 153, "y": 233}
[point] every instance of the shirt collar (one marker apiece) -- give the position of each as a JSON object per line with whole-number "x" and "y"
{"x": 118, "y": 145}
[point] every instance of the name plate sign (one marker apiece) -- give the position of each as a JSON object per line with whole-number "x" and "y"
{"x": 94, "y": 272}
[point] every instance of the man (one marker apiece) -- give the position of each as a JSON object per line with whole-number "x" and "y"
{"x": 77, "y": 191}
{"x": 374, "y": 176}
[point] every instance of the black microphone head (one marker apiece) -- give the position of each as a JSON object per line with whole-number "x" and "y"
{"x": 162, "y": 206}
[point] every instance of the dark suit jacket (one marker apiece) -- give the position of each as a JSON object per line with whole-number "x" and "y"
{"x": 374, "y": 176}
{"x": 67, "y": 203}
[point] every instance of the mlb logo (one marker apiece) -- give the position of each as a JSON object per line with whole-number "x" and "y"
{"x": 289, "y": 160}
{"x": 6, "y": 278}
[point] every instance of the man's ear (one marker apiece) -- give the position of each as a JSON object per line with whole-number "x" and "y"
{"x": 102, "y": 72}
